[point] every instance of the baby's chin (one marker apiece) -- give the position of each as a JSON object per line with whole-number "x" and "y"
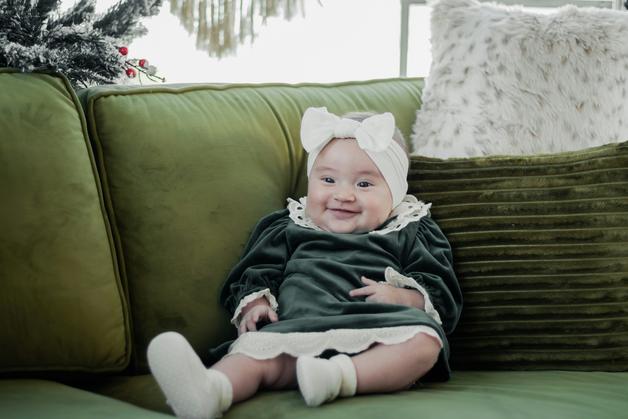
{"x": 353, "y": 225}
{"x": 341, "y": 230}
{"x": 345, "y": 228}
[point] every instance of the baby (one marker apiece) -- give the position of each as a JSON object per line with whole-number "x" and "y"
{"x": 348, "y": 291}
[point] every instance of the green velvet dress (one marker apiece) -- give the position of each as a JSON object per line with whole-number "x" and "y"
{"x": 309, "y": 272}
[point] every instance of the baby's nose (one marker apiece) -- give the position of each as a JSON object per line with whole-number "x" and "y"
{"x": 344, "y": 194}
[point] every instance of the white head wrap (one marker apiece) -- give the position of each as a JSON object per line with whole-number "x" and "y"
{"x": 374, "y": 135}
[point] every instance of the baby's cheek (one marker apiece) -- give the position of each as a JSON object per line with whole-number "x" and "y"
{"x": 312, "y": 211}
{"x": 310, "y": 207}
{"x": 381, "y": 219}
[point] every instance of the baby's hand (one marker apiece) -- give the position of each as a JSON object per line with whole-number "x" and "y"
{"x": 383, "y": 293}
{"x": 254, "y": 312}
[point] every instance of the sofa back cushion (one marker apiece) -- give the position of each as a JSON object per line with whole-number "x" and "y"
{"x": 61, "y": 303}
{"x": 541, "y": 248}
{"x": 190, "y": 169}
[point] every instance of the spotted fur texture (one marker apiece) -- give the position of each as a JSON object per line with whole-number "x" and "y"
{"x": 508, "y": 81}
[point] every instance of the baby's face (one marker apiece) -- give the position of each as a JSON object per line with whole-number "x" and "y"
{"x": 346, "y": 191}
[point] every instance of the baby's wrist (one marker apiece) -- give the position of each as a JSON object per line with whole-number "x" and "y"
{"x": 260, "y": 301}
{"x": 413, "y": 298}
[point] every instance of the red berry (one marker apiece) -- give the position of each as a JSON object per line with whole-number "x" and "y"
{"x": 123, "y": 50}
{"x": 130, "y": 73}
{"x": 143, "y": 63}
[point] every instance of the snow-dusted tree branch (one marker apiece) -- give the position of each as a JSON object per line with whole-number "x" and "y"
{"x": 82, "y": 45}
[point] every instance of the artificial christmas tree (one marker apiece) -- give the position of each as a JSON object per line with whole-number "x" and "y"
{"x": 88, "y": 48}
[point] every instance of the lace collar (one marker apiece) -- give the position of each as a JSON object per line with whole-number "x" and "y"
{"x": 409, "y": 210}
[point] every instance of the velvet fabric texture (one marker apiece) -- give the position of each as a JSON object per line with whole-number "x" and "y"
{"x": 469, "y": 394}
{"x": 512, "y": 394}
{"x": 62, "y": 307}
{"x": 188, "y": 171}
{"x": 540, "y": 245}
{"x": 52, "y": 400}
{"x": 311, "y": 272}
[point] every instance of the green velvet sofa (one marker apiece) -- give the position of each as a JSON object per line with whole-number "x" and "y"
{"x": 123, "y": 208}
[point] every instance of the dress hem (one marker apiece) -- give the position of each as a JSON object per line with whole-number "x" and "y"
{"x": 267, "y": 345}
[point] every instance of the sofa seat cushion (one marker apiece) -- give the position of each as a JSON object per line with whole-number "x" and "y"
{"x": 469, "y": 394}
{"x": 62, "y": 306}
{"x": 28, "y": 399}
{"x": 139, "y": 390}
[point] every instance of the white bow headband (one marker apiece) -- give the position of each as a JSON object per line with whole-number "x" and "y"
{"x": 374, "y": 135}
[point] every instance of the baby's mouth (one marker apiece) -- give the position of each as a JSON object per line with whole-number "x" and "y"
{"x": 342, "y": 213}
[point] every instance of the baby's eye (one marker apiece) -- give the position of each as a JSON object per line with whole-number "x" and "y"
{"x": 327, "y": 180}
{"x": 364, "y": 184}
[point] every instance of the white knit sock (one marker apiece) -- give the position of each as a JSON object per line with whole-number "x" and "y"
{"x": 322, "y": 380}
{"x": 193, "y": 391}
{"x": 349, "y": 378}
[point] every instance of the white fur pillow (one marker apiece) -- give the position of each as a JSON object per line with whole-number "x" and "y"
{"x": 508, "y": 81}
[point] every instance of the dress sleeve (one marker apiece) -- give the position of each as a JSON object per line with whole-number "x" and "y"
{"x": 429, "y": 262}
{"x": 260, "y": 269}
{"x": 395, "y": 279}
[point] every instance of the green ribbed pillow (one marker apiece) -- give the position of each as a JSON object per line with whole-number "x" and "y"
{"x": 541, "y": 248}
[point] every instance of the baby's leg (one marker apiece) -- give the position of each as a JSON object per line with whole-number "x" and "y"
{"x": 193, "y": 391}
{"x": 388, "y": 368}
{"x": 248, "y": 375}
{"x": 379, "y": 369}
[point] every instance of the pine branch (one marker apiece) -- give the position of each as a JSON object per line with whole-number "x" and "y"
{"x": 40, "y": 11}
{"x": 122, "y": 20}
{"x": 80, "y": 12}
{"x": 44, "y": 7}
{"x": 75, "y": 43}
{"x": 17, "y": 23}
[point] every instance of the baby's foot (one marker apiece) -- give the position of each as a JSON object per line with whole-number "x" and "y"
{"x": 322, "y": 380}
{"x": 193, "y": 391}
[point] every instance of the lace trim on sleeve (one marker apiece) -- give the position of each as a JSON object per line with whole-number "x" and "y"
{"x": 235, "y": 320}
{"x": 395, "y": 279}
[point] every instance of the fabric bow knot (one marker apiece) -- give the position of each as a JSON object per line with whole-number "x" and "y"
{"x": 374, "y": 135}
{"x": 318, "y": 127}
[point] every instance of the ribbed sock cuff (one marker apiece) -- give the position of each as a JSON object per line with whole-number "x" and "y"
{"x": 226, "y": 389}
{"x": 349, "y": 378}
